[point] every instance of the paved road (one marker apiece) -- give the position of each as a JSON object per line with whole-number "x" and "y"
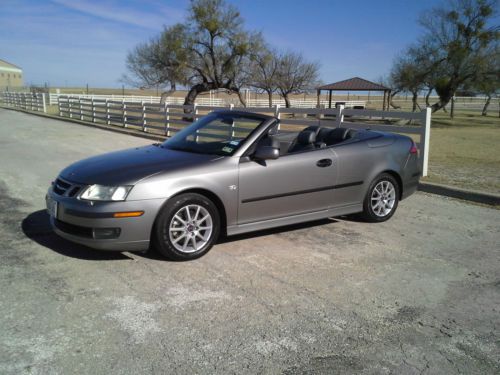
{"x": 418, "y": 294}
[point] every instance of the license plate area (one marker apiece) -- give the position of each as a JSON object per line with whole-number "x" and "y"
{"x": 52, "y": 207}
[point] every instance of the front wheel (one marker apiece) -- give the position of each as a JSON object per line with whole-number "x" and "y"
{"x": 382, "y": 199}
{"x": 187, "y": 227}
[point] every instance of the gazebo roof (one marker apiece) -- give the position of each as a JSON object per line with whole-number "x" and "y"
{"x": 354, "y": 84}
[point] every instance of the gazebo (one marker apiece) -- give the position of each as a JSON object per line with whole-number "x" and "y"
{"x": 355, "y": 84}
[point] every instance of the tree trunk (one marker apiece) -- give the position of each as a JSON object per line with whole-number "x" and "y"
{"x": 440, "y": 104}
{"x": 391, "y": 103}
{"x": 414, "y": 100}
{"x": 445, "y": 95}
{"x": 240, "y": 96}
{"x": 287, "y": 100}
{"x": 485, "y": 108}
{"x": 427, "y": 96}
{"x": 452, "y": 108}
{"x": 270, "y": 95}
{"x": 198, "y": 89}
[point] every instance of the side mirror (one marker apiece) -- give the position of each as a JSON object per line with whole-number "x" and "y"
{"x": 266, "y": 153}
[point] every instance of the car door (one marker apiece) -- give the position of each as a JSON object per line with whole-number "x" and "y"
{"x": 290, "y": 185}
{"x": 355, "y": 161}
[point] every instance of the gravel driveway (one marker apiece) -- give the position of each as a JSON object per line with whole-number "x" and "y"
{"x": 419, "y": 294}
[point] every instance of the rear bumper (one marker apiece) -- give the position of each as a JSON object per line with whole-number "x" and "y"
{"x": 410, "y": 185}
{"x": 84, "y": 222}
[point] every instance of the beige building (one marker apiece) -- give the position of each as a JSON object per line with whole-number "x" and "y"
{"x": 10, "y": 75}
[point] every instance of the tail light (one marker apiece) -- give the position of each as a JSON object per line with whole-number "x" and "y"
{"x": 413, "y": 148}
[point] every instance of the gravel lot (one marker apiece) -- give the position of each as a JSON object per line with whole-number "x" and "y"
{"x": 418, "y": 294}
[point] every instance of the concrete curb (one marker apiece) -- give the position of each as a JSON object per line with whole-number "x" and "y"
{"x": 454, "y": 192}
{"x": 112, "y": 128}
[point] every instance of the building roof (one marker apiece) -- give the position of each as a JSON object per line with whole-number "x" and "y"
{"x": 354, "y": 84}
{"x": 7, "y": 64}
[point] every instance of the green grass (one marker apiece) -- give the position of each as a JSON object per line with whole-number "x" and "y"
{"x": 464, "y": 151}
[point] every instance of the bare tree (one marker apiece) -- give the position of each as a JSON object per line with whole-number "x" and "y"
{"x": 295, "y": 75}
{"x": 264, "y": 72}
{"x": 488, "y": 80}
{"x": 387, "y": 81}
{"x": 459, "y": 36}
{"x": 408, "y": 75}
{"x": 210, "y": 51}
{"x": 160, "y": 62}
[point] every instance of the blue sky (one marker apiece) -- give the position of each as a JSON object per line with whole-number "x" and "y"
{"x": 72, "y": 42}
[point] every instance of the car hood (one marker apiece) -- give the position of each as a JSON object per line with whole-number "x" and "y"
{"x": 127, "y": 167}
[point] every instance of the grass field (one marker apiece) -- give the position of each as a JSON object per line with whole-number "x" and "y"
{"x": 465, "y": 151}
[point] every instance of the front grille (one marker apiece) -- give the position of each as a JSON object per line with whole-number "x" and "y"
{"x": 65, "y": 188}
{"x": 73, "y": 191}
{"x": 75, "y": 230}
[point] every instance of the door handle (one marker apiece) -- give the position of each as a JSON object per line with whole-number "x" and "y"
{"x": 324, "y": 163}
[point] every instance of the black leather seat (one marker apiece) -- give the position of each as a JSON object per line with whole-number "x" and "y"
{"x": 304, "y": 142}
{"x": 320, "y": 133}
{"x": 338, "y": 135}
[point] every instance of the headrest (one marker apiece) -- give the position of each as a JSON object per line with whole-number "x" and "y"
{"x": 336, "y": 135}
{"x": 312, "y": 128}
{"x": 306, "y": 137}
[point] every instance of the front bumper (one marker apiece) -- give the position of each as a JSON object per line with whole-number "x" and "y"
{"x": 82, "y": 221}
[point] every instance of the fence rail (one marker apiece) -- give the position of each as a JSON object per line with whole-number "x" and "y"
{"x": 167, "y": 119}
{"x": 25, "y": 100}
{"x": 210, "y": 101}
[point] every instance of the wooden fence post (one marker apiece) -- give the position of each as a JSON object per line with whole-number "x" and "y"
{"x": 277, "y": 114}
{"x": 124, "y": 113}
{"x": 167, "y": 119}
{"x": 108, "y": 114}
{"x": 44, "y": 103}
{"x": 425, "y": 140}
{"x": 81, "y": 109}
{"x": 144, "y": 128}
{"x": 70, "y": 107}
{"x": 92, "y": 108}
{"x": 340, "y": 116}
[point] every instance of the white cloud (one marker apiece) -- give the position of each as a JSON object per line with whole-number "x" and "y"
{"x": 153, "y": 19}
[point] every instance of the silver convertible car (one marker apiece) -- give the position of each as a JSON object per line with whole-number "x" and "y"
{"x": 229, "y": 173}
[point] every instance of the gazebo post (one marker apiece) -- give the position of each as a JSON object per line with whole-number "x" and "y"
{"x": 318, "y": 98}
{"x": 330, "y": 99}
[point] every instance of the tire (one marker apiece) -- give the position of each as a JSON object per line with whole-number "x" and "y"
{"x": 381, "y": 200}
{"x": 187, "y": 227}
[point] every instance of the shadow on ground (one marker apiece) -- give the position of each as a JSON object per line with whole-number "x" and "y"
{"x": 36, "y": 226}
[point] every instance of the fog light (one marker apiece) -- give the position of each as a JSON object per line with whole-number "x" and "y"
{"x": 106, "y": 233}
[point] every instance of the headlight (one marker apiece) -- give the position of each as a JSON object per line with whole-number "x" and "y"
{"x": 105, "y": 193}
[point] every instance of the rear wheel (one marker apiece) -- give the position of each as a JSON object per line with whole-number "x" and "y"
{"x": 382, "y": 199}
{"x": 187, "y": 227}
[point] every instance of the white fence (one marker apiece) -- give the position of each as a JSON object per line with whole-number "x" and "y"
{"x": 210, "y": 101}
{"x": 25, "y": 100}
{"x": 166, "y": 119}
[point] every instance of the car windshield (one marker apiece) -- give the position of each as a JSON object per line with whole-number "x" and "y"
{"x": 217, "y": 134}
